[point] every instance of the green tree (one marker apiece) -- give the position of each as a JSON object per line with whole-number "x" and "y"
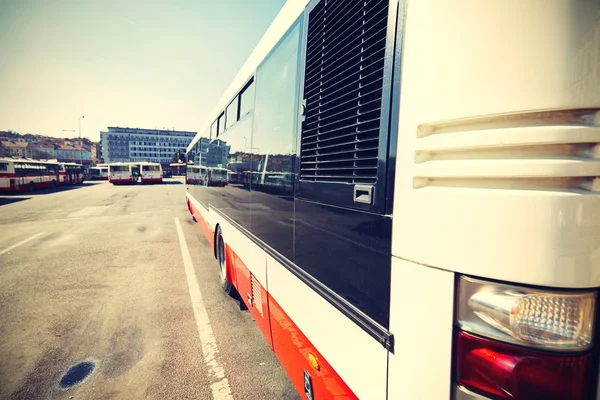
{"x": 179, "y": 156}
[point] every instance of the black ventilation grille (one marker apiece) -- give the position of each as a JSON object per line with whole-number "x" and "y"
{"x": 343, "y": 90}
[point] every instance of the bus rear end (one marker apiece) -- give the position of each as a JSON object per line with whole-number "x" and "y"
{"x": 120, "y": 174}
{"x": 496, "y": 226}
{"x": 217, "y": 177}
{"x": 151, "y": 173}
{"x": 8, "y": 177}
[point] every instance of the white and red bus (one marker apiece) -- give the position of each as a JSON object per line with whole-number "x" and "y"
{"x": 216, "y": 176}
{"x": 71, "y": 174}
{"x": 151, "y": 172}
{"x": 99, "y": 173}
{"x": 123, "y": 173}
{"x": 442, "y": 238}
{"x": 196, "y": 175}
{"x": 18, "y": 175}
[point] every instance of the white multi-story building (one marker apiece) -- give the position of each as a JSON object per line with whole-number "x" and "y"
{"x": 137, "y": 144}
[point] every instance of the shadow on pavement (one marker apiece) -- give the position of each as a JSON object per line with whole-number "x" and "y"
{"x": 173, "y": 182}
{"x": 9, "y": 200}
{"x": 39, "y": 192}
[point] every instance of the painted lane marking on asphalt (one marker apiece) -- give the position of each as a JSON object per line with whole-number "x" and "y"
{"x": 21, "y": 242}
{"x": 220, "y": 389}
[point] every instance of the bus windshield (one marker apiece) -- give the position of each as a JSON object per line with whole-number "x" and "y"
{"x": 219, "y": 173}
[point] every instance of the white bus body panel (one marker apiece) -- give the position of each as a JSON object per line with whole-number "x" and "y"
{"x": 120, "y": 175}
{"x": 421, "y": 307}
{"x": 495, "y": 199}
{"x": 249, "y": 252}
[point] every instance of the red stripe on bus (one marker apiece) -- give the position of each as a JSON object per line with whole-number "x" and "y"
{"x": 13, "y": 175}
{"x": 128, "y": 180}
{"x": 208, "y": 232}
{"x": 290, "y": 345}
{"x": 293, "y": 348}
{"x": 248, "y": 287}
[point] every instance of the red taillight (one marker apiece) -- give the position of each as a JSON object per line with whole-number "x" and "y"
{"x": 510, "y": 372}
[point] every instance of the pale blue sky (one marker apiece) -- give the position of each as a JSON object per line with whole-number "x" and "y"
{"x": 136, "y": 63}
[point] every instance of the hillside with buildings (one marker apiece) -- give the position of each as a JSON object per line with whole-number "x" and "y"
{"x": 117, "y": 144}
{"x": 79, "y": 150}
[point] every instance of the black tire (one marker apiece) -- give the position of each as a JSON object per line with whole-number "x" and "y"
{"x": 220, "y": 248}
{"x": 31, "y": 186}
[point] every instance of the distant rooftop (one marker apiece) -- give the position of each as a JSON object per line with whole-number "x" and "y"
{"x": 146, "y": 130}
{"x": 14, "y": 144}
{"x": 69, "y": 147}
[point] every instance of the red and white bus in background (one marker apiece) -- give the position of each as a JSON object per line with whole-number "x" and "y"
{"x": 27, "y": 175}
{"x": 151, "y": 172}
{"x": 216, "y": 176}
{"x": 99, "y": 173}
{"x": 71, "y": 174}
{"x": 196, "y": 175}
{"x": 123, "y": 173}
{"x": 442, "y": 238}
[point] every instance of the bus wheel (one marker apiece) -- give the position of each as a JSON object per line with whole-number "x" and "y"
{"x": 31, "y": 186}
{"x": 227, "y": 287}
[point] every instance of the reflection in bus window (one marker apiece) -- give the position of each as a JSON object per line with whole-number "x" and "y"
{"x": 232, "y": 113}
{"x": 247, "y": 99}
{"x": 272, "y": 177}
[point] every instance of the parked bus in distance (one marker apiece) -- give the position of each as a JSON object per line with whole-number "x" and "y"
{"x": 216, "y": 176}
{"x": 71, "y": 174}
{"x": 196, "y": 175}
{"x": 98, "y": 173}
{"x": 27, "y": 175}
{"x": 123, "y": 173}
{"x": 151, "y": 172}
{"x": 441, "y": 235}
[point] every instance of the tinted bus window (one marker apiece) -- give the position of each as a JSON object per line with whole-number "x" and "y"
{"x": 273, "y": 142}
{"x": 221, "y": 124}
{"x": 232, "y": 113}
{"x": 247, "y": 99}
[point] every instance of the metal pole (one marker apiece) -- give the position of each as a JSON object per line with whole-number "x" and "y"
{"x": 80, "y": 143}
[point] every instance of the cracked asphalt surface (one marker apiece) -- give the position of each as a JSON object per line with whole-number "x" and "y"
{"x": 104, "y": 281}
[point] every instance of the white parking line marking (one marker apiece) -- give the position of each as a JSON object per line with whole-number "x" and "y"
{"x": 21, "y": 242}
{"x": 220, "y": 389}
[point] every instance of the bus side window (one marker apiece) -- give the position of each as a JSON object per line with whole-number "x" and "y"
{"x": 247, "y": 99}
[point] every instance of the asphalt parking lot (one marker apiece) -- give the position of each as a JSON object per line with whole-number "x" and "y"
{"x": 121, "y": 278}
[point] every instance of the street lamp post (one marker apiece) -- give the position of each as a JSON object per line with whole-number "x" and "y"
{"x": 80, "y": 143}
